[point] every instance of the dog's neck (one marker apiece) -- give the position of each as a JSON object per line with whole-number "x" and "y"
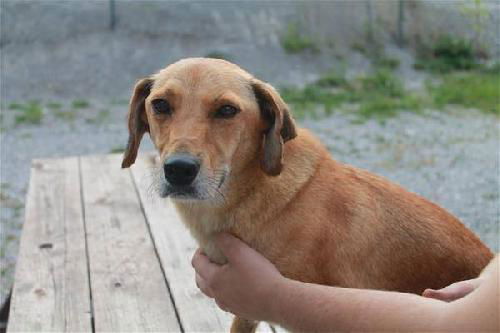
{"x": 250, "y": 194}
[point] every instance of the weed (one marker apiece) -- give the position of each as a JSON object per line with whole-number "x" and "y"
{"x": 383, "y": 82}
{"x": 379, "y": 95}
{"x": 54, "y": 105}
{"x": 359, "y": 48}
{"x": 218, "y": 55}
{"x": 491, "y": 69}
{"x": 311, "y": 96}
{"x": 117, "y": 149}
{"x": 101, "y": 117}
{"x": 473, "y": 89}
{"x": 295, "y": 42}
{"x": 65, "y": 115}
{"x": 382, "y": 106}
{"x": 119, "y": 102}
{"x": 490, "y": 196}
{"x": 332, "y": 79}
{"x": 447, "y": 54}
{"x": 80, "y": 104}
{"x": 15, "y": 106}
{"x": 386, "y": 63}
{"x": 30, "y": 113}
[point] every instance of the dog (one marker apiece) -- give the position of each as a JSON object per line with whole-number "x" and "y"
{"x": 234, "y": 160}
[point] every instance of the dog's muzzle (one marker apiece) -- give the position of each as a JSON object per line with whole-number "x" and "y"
{"x": 180, "y": 170}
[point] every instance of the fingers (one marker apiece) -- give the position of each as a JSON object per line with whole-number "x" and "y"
{"x": 230, "y": 246}
{"x": 202, "y": 285}
{"x": 222, "y": 306}
{"x": 203, "y": 266}
{"x": 452, "y": 292}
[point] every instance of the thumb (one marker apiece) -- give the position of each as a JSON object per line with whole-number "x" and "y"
{"x": 451, "y": 292}
{"x": 230, "y": 246}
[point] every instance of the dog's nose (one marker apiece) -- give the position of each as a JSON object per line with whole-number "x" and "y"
{"x": 181, "y": 170}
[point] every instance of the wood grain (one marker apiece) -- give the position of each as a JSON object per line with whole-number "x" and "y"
{"x": 51, "y": 290}
{"x": 128, "y": 287}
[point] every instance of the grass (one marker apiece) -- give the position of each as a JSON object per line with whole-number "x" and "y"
{"x": 386, "y": 62}
{"x": 117, "y": 149}
{"x": 119, "y": 101}
{"x": 218, "y": 55}
{"x": 29, "y": 113}
{"x": 54, "y": 105}
{"x": 477, "y": 89}
{"x": 447, "y": 54}
{"x": 293, "y": 41}
{"x": 378, "y": 95}
{"x": 80, "y": 104}
{"x": 100, "y": 118}
{"x": 65, "y": 115}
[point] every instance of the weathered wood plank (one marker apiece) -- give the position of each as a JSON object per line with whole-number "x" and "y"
{"x": 51, "y": 290}
{"x": 176, "y": 247}
{"x": 128, "y": 287}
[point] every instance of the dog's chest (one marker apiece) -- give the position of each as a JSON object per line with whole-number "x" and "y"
{"x": 204, "y": 225}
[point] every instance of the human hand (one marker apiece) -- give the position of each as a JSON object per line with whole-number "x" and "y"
{"x": 453, "y": 291}
{"x": 246, "y": 286}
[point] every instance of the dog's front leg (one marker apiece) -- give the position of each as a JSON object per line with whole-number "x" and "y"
{"x": 241, "y": 325}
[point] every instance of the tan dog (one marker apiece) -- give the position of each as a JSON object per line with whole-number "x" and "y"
{"x": 234, "y": 160}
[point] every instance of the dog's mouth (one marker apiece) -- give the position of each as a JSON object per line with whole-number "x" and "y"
{"x": 179, "y": 192}
{"x": 204, "y": 188}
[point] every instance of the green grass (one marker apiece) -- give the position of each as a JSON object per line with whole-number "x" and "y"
{"x": 447, "y": 54}
{"x": 379, "y": 95}
{"x": 358, "y": 47}
{"x": 332, "y": 79}
{"x": 305, "y": 99}
{"x": 218, "y": 55}
{"x": 16, "y": 106}
{"x": 478, "y": 89}
{"x": 65, "y": 115}
{"x": 381, "y": 107}
{"x": 80, "y": 104}
{"x": 119, "y": 101}
{"x": 54, "y": 105}
{"x": 386, "y": 62}
{"x": 293, "y": 41}
{"x": 117, "y": 149}
{"x": 100, "y": 118}
{"x": 382, "y": 82}
{"x": 29, "y": 113}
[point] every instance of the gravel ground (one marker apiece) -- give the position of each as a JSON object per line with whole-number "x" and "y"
{"x": 449, "y": 157}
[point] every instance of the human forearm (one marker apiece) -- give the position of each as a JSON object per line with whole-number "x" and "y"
{"x": 251, "y": 287}
{"x": 308, "y": 307}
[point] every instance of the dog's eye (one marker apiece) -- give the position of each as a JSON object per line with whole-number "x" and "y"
{"x": 161, "y": 106}
{"x": 226, "y": 111}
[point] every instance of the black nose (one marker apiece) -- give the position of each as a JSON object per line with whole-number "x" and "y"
{"x": 181, "y": 170}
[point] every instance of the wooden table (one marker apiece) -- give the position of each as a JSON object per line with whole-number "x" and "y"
{"x": 100, "y": 252}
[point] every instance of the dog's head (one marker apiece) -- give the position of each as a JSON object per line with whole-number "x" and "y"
{"x": 209, "y": 119}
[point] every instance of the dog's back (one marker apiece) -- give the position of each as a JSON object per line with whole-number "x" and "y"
{"x": 412, "y": 243}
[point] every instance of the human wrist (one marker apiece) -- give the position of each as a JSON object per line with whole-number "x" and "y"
{"x": 279, "y": 298}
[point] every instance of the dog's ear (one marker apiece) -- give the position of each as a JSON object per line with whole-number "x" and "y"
{"x": 137, "y": 121}
{"x": 280, "y": 129}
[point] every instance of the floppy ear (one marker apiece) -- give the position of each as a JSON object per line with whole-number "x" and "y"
{"x": 281, "y": 126}
{"x": 137, "y": 121}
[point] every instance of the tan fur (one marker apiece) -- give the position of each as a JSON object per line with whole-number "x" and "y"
{"x": 316, "y": 219}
